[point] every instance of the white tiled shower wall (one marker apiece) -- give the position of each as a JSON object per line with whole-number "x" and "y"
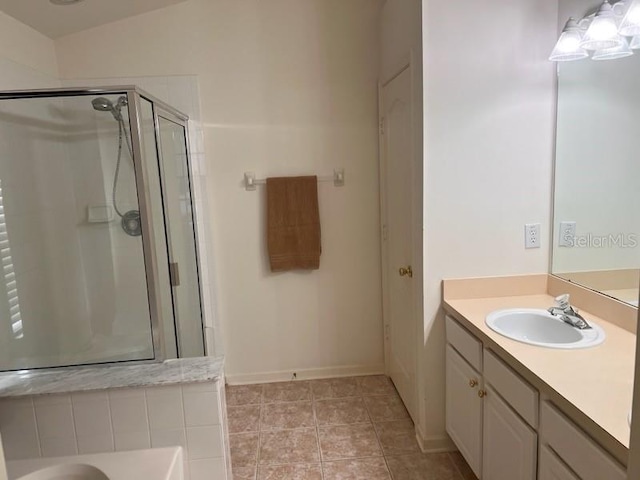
{"x": 189, "y": 415}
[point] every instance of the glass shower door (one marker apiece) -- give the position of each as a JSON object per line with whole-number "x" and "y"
{"x": 183, "y": 257}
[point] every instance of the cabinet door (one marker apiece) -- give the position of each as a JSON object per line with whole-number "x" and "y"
{"x": 552, "y": 468}
{"x": 464, "y": 409}
{"x": 510, "y": 445}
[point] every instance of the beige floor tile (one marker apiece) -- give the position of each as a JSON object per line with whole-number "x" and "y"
{"x": 287, "y": 415}
{"x": 376, "y": 385}
{"x": 244, "y": 419}
{"x": 359, "y": 469}
{"x": 397, "y": 437}
{"x": 289, "y": 446}
{"x": 243, "y": 395}
{"x": 244, "y": 473}
{"x": 287, "y": 392}
{"x": 341, "y": 411}
{"x": 290, "y": 472}
{"x": 335, "y": 388}
{"x": 244, "y": 449}
{"x": 348, "y": 441}
{"x": 462, "y": 466}
{"x": 421, "y": 466}
{"x": 386, "y": 408}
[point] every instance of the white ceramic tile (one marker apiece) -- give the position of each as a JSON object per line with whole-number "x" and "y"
{"x": 165, "y": 408}
{"x": 21, "y": 443}
{"x": 132, "y": 441}
{"x": 58, "y": 447}
{"x": 95, "y": 444}
{"x": 16, "y": 414}
{"x": 201, "y": 408}
{"x": 129, "y": 414}
{"x": 92, "y": 417}
{"x": 207, "y": 469}
{"x": 89, "y": 397}
{"x": 169, "y": 438}
{"x": 125, "y": 393}
{"x": 45, "y": 400}
{"x": 204, "y": 442}
{"x": 54, "y": 420}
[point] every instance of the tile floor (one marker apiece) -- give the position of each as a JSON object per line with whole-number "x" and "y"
{"x": 336, "y": 429}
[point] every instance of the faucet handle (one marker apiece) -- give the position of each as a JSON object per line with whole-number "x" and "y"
{"x": 563, "y": 301}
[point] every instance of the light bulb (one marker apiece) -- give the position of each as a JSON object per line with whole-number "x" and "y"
{"x": 603, "y": 31}
{"x": 568, "y": 46}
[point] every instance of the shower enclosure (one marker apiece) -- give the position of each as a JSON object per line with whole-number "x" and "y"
{"x": 97, "y": 230}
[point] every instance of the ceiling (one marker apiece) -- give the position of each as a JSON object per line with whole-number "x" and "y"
{"x": 56, "y": 21}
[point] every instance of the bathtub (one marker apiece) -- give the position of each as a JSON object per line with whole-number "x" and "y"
{"x": 150, "y": 464}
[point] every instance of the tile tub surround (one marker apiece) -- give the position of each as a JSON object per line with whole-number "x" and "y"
{"x": 85, "y": 379}
{"x": 333, "y": 429}
{"x": 189, "y": 415}
{"x": 593, "y": 386}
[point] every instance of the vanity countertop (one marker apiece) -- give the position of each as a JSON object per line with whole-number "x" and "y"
{"x": 593, "y": 385}
{"x": 91, "y": 378}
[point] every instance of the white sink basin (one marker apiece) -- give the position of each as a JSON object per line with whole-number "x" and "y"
{"x": 67, "y": 472}
{"x": 539, "y": 327}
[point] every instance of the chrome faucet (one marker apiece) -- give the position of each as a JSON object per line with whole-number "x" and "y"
{"x": 568, "y": 314}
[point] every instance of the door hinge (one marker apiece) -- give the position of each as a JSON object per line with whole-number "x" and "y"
{"x": 174, "y": 274}
{"x": 385, "y": 233}
{"x": 382, "y": 126}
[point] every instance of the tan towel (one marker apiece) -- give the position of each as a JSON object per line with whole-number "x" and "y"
{"x": 293, "y": 223}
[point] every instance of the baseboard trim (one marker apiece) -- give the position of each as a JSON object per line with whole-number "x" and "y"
{"x": 304, "y": 374}
{"x": 435, "y": 444}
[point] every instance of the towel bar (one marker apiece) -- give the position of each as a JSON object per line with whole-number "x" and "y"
{"x": 250, "y": 180}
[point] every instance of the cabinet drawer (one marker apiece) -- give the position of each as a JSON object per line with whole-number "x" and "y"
{"x": 551, "y": 467}
{"x": 576, "y": 449}
{"x": 522, "y": 397}
{"x": 465, "y": 343}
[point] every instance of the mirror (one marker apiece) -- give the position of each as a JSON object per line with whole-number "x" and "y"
{"x": 596, "y": 241}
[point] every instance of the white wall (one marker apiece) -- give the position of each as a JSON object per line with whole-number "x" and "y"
{"x": 287, "y": 88}
{"x": 489, "y": 123}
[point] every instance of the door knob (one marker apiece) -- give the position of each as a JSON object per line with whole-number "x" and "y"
{"x": 473, "y": 383}
{"x": 406, "y": 272}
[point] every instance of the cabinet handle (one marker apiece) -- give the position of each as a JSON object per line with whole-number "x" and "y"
{"x": 473, "y": 383}
{"x": 482, "y": 393}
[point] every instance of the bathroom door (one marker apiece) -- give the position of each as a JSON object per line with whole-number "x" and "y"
{"x": 181, "y": 234}
{"x": 396, "y": 141}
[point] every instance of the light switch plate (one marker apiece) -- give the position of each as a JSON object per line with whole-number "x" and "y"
{"x": 532, "y": 235}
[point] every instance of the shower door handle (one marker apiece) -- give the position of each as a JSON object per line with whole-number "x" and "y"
{"x": 174, "y": 274}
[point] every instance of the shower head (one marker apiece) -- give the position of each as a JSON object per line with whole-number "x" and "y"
{"x": 103, "y": 104}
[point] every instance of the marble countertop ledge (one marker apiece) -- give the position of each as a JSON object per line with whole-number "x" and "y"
{"x": 91, "y": 378}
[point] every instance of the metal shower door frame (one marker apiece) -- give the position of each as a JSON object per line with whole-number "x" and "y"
{"x": 140, "y": 161}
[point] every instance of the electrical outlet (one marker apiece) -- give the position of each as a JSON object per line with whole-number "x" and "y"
{"x": 532, "y": 235}
{"x": 567, "y": 234}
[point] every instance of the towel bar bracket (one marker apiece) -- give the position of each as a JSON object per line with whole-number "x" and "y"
{"x": 251, "y": 182}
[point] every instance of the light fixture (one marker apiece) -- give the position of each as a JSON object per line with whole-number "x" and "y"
{"x": 568, "y": 46}
{"x": 65, "y": 2}
{"x": 603, "y": 31}
{"x": 613, "y": 53}
{"x": 630, "y": 25}
{"x": 635, "y": 43}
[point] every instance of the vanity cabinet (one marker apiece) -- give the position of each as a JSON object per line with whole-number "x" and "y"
{"x": 464, "y": 408}
{"x": 502, "y": 427}
{"x": 494, "y": 439}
